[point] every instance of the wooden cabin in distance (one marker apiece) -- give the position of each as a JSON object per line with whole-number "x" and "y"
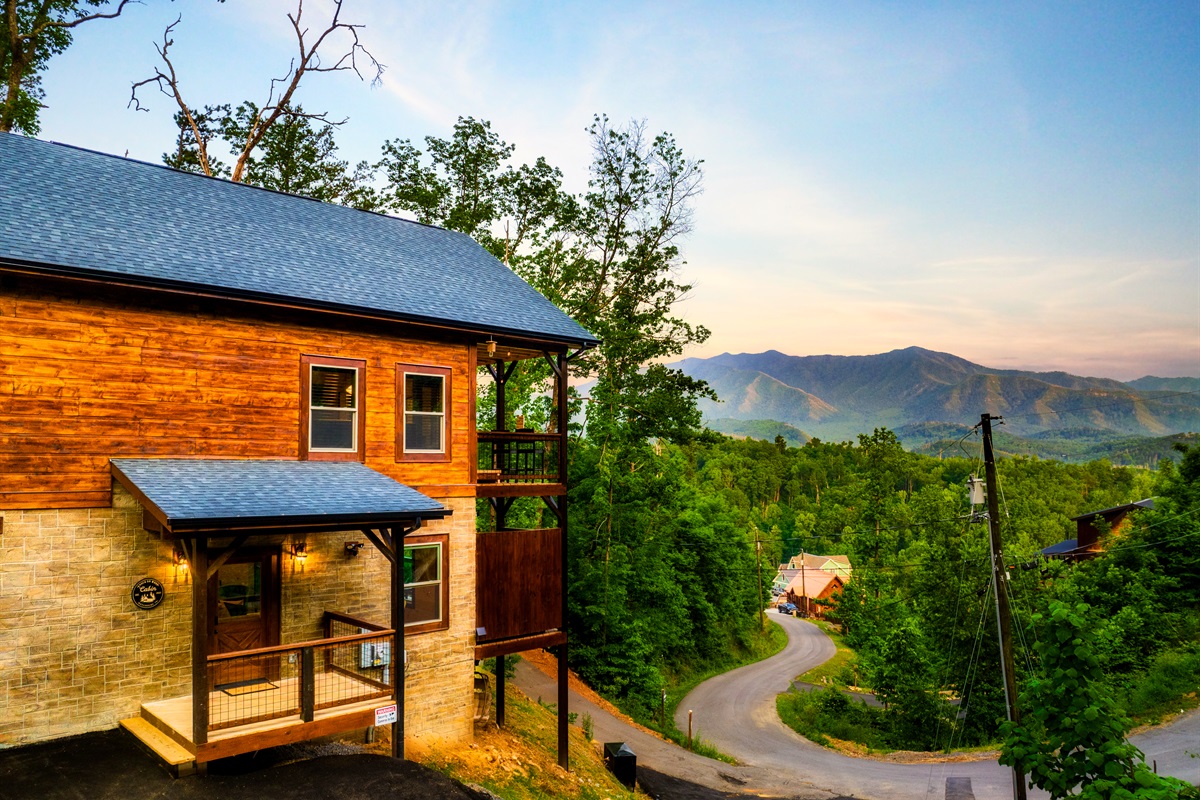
{"x": 239, "y": 462}
{"x": 1093, "y": 529}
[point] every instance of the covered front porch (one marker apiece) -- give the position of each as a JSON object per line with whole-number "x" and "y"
{"x": 266, "y": 693}
{"x": 279, "y": 695}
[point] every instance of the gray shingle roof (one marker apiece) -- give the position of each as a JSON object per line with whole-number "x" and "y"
{"x": 206, "y": 493}
{"x": 75, "y": 211}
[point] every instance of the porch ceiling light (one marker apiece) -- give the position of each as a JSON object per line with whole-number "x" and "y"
{"x": 491, "y": 347}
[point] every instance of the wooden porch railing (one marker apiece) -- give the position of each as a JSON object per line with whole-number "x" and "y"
{"x": 350, "y": 665}
{"x": 518, "y": 457}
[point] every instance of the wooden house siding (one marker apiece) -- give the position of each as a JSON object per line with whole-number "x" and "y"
{"x": 88, "y": 374}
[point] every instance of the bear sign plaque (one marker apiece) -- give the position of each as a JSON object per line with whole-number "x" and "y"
{"x": 148, "y": 593}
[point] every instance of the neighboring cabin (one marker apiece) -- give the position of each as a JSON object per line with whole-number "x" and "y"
{"x": 808, "y": 587}
{"x": 1094, "y": 530}
{"x": 807, "y": 578}
{"x": 239, "y": 462}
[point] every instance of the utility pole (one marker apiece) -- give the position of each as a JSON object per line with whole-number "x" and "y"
{"x": 804, "y": 582}
{"x": 762, "y": 622}
{"x": 1003, "y": 619}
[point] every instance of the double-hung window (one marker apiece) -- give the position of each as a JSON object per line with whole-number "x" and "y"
{"x": 426, "y": 589}
{"x": 331, "y": 408}
{"x": 423, "y": 419}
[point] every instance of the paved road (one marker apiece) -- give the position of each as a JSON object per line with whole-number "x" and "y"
{"x": 736, "y": 712}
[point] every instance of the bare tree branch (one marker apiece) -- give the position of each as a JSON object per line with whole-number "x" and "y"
{"x": 279, "y": 97}
{"x": 77, "y": 21}
{"x": 309, "y": 61}
{"x": 171, "y": 81}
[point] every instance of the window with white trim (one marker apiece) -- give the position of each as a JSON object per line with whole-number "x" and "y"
{"x": 332, "y": 408}
{"x": 423, "y": 427}
{"x": 426, "y": 590}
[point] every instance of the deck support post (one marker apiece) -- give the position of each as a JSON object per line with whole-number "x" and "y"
{"x": 499, "y": 691}
{"x": 396, "y": 537}
{"x": 199, "y": 574}
{"x": 560, "y": 374}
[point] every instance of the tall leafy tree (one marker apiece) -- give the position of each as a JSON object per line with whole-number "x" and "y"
{"x": 34, "y": 32}
{"x": 1071, "y": 741}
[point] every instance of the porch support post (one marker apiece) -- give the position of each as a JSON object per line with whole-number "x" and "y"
{"x": 199, "y": 570}
{"x": 560, "y": 370}
{"x": 396, "y": 537}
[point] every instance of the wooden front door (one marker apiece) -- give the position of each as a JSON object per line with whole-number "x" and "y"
{"x": 243, "y": 614}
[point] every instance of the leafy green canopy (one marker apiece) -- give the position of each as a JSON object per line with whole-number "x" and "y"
{"x": 1072, "y": 740}
{"x": 33, "y": 32}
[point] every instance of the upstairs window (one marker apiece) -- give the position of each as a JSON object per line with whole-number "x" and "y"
{"x": 423, "y": 421}
{"x": 332, "y": 408}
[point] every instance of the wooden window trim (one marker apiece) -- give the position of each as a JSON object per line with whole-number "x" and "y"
{"x": 307, "y": 362}
{"x": 403, "y": 370}
{"x": 443, "y": 623}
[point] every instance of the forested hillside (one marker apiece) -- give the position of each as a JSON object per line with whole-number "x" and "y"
{"x": 670, "y": 526}
{"x": 664, "y": 575}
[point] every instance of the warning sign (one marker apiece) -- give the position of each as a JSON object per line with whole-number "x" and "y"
{"x": 385, "y": 715}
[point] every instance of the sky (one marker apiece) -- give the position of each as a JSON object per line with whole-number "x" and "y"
{"x": 1015, "y": 183}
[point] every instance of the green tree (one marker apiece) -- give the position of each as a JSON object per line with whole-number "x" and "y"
{"x": 34, "y": 32}
{"x": 1071, "y": 740}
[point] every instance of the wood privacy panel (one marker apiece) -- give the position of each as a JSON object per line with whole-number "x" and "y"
{"x": 519, "y": 583}
{"x": 87, "y": 378}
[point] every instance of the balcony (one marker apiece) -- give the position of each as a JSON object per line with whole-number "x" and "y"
{"x": 518, "y": 463}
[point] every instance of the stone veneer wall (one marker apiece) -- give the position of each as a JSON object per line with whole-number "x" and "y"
{"x": 76, "y": 655}
{"x": 439, "y": 700}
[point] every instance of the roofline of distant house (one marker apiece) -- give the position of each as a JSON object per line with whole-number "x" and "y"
{"x": 42, "y": 269}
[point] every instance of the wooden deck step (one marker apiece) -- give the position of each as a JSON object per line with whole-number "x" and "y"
{"x": 178, "y": 760}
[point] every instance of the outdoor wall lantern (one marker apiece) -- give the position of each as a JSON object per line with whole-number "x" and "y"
{"x": 180, "y": 560}
{"x": 352, "y": 548}
{"x": 300, "y": 552}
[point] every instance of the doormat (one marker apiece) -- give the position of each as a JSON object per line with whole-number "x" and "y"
{"x": 246, "y": 687}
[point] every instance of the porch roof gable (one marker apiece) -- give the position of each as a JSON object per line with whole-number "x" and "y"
{"x": 206, "y": 496}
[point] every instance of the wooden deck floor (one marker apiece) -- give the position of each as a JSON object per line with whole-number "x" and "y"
{"x": 174, "y": 715}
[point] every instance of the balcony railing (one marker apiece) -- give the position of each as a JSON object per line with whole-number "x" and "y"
{"x": 518, "y": 457}
{"x": 350, "y": 665}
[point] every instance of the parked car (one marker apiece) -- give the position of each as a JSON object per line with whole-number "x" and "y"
{"x": 787, "y": 608}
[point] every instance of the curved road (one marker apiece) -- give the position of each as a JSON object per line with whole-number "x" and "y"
{"x": 736, "y": 712}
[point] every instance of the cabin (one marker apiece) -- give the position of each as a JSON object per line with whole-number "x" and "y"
{"x": 1093, "y": 529}
{"x": 240, "y": 464}
{"x": 809, "y": 586}
{"x": 836, "y": 565}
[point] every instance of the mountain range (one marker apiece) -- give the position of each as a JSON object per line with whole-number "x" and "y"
{"x": 838, "y": 397}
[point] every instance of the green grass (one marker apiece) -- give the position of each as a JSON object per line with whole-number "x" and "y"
{"x": 825, "y": 714}
{"x": 680, "y": 683}
{"x": 839, "y": 670}
{"x": 1168, "y": 685}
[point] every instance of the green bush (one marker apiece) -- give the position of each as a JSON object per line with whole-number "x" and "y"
{"x": 1157, "y": 690}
